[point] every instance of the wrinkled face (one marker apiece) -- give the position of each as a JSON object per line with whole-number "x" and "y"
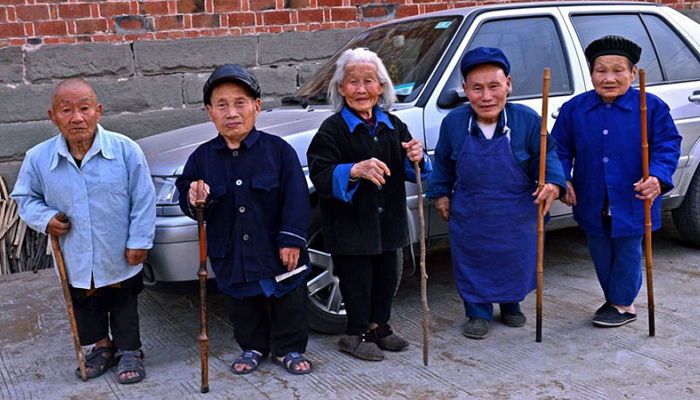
{"x": 233, "y": 111}
{"x": 75, "y": 111}
{"x": 612, "y": 76}
{"x": 487, "y": 88}
{"x": 361, "y": 87}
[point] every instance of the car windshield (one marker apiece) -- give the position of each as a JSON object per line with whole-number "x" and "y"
{"x": 410, "y": 50}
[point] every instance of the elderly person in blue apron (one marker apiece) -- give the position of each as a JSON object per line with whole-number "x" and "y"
{"x": 599, "y": 131}
{"x": 359, "y": 160}
{"x": 485, "y": 184}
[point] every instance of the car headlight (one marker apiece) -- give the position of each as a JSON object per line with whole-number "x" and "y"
{"x": 166, "y": 191}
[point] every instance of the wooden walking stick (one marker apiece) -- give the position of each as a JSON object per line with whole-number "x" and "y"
{"x": 647, "y": 203}
{"x": 202, "y": 274}
{"x": 63, "y": 275}
{"x": 423, "y": 273}
{"x": 540, "y": 208}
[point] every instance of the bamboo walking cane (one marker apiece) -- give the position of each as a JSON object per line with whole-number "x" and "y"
{"x": 202, "y": 274}
{"x": 647, "y": 203}
{"x": 63, "y": 275}
{"x": 540, "y": 208}
{"x": 423, "y": 273}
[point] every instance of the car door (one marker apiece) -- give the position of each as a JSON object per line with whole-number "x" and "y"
{"x": 532, "y": 39}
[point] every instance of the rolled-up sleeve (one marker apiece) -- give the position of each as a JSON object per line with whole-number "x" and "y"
{"x": 343, "y": 187}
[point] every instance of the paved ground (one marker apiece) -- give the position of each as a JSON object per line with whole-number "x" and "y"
{"x": 574, "y": 361}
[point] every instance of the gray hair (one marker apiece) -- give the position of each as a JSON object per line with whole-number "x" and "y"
{"x": 354, "y": 56}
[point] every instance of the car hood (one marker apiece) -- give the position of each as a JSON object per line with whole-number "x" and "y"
{"x": 167, "y": 152}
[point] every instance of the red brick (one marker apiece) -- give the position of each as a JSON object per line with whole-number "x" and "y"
{"x": 153, "y": 7}
{"x": 330, "y": 3}
{"x": 190, "y": 6}
{"x": 86, "y": 26}
{"x": 262, "y": 5}
{"x": 112, "y": 9}
{"x": 60, "y": 40}
{"x": 32, "y": 13}
{"x": 246, "y": 31}
{"x": 13, "y": 2}
{"x": 435, "y": 7}
{"x": 311, "y": 15}
{"x": 241, "y": 19}
{"x": 169, "y": 22}
{"x": 343, "y": 14}
{"x": 375, "y": 12}
{"x": 3, "y": 14}
{"x": 406, "y": 11}
{"x": 131, "y": 24}
{"x": 461, "y": 4}
{"x": 297, "y": 3}
{"x": 205, "y": 20}
{"x": 170, "y": 35}
{"x": 50, "y": 28}
{"x": 74, "y": 10}
{"x": 227, "y": 5}
{"x": 11, "y": 30}
{"x": 276, "y": 17}
{"x": 28, "y": 29}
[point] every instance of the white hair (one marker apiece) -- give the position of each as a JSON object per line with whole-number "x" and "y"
{"x": 354, "y": 56}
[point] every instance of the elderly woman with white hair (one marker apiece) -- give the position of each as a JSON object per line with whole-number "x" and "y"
{"x": 359, "y": 160}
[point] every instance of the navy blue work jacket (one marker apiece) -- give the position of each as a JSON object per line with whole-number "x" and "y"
{"x": 523, "y": 126}
{"x": 604, "y": 141}
{"x": 259, "y": 203}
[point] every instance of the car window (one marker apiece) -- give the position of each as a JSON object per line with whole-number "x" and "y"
{"x": 410, "y": 50}
{"x": 679, "y": 63}
{"x": 592, "y": 27}
{"x": 531, "y": 44}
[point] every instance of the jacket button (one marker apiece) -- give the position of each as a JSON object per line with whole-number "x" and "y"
{"x": 239, "y": 182}
{"x": 606, "y": 159}
{"x": 380, "y": 210}
{"x": 376, "y": 139}
{"x": 605, "y": 131}
{"x": 241, "y": 209}
{"x": 246, "y": 237}
{"x": 234, "y": 153}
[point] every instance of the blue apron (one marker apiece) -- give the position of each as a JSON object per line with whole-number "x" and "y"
{"x": 493, "y": 224}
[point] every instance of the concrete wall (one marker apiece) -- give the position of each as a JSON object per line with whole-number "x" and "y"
{"x": 149, "y": 86}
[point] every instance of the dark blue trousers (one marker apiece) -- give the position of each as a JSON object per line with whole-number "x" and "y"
{"x": 618, "y": 264}
{"x": 485, "y": 310}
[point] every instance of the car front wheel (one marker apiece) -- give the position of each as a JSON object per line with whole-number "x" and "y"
{"x": 687, "y": 216}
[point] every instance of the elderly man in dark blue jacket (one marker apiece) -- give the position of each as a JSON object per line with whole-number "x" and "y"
{"x": 257, "y": 213}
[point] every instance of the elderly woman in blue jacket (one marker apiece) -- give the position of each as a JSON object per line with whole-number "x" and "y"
{"x": 599, "y": 131}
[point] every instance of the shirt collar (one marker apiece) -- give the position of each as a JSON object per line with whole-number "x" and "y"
{"x": 352, "y": 120}
{"x": 100, "y": 144}
{"x": 627, "y": 101}
{"x": 219, "y": 142}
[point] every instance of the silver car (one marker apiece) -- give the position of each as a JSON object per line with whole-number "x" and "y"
{"x": 422, "y": 55}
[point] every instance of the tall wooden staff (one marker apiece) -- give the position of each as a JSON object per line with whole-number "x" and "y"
{"x": 540, "y": 208}
{"x": 202, "y": 274}
{"x": 647, "y": 203}
{"x": 423, "y": 273}
{"x": 58, "y": 256}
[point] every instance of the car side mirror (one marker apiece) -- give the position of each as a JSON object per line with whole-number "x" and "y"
{"x": 451, "y": 98}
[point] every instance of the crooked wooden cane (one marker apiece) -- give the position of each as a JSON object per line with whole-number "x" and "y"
{"x": 423, "y": 273}
{"x": 63, "y": 275}
{"x": 540, "y": 208}
{"x": 202, "y": 274}
{"x": 647, "y": 203}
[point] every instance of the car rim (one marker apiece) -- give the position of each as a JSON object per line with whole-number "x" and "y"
{"x": 324, "y": 291}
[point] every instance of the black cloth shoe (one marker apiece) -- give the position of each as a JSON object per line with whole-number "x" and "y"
{"x": 515, "y": 320}
{"x": 358, "y": 346}
{"x": 610, "y": 318}
{"x": 386, "y": 339}
{"x": 602, "y": 308}
{"x": 476, "y": 328}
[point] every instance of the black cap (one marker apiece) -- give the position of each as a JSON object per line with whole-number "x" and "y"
{"x": 613, "y": 45}
{"x": 231, "y": 73}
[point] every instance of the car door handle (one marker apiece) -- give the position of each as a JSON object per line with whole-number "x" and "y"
{"x": 555, "y": 114}
{"x": 695, "y": 97}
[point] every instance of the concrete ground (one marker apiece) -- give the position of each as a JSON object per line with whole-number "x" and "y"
{"x": 574, "y": 360}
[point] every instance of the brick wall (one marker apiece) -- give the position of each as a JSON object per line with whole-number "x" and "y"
{"x": 36, "y": 22}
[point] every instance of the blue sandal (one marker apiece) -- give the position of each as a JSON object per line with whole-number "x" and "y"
{"x": 130, "y": 361}
{"x": 250, "y": 358}
{"x": 291, "y": 360}
{"x": 96, "y": 363}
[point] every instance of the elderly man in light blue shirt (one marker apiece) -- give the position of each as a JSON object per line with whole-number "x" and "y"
{"x": 101, "y": 181}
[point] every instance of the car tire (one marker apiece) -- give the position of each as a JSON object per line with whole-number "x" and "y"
{"x": 326, "y": 309}
{"x": 687, "y": 216}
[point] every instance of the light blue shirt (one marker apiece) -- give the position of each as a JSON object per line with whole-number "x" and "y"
{"x": 109, "y": 200}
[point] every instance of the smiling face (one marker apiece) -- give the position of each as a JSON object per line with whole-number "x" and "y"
{"x": 75, "y": 111}
{"x": 233, "y": 110}
{"x": 487, "y": 88}
{"x": 361, "y": 88}
{"x": 612, "y": 76}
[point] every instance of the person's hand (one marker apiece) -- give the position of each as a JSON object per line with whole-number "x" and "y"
{"x": 373, "y": 170}
{"x": 196, "y": 197}
{"x": 570, "y": 198}
{"x": 414, "y": 150}
{"x": 548, "y": 194}
{"x": 289, "y": 257}
{"x": 442, "y": 204}
{"x": 135, "y": 256}
{"x": 56, "y": 227}
{"x": 647, "y": 190}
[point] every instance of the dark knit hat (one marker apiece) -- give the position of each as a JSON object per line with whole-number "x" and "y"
{"x": 231, "y": 73}
{"x": 613, "y": 45}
